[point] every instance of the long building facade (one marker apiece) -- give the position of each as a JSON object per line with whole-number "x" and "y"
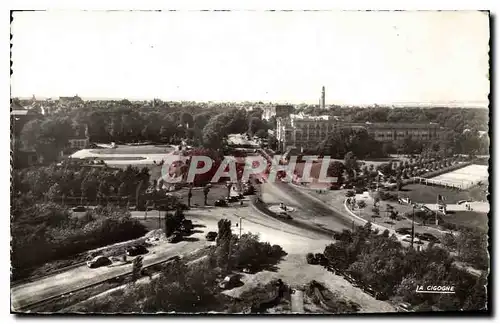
{"x": 305, "y": 132}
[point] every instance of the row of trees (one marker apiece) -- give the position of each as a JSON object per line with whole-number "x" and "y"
{"x": 351, "y": 170}
{"x": 357, "y": 141}
{"x": 48, "y": 135}
{"x": 91, "y": 184}
{"x": 381, "y": 262}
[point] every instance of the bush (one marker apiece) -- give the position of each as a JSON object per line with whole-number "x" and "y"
{"x": 253, "y": 255}
{"x": 310, "y": 258}
{"x": 46, "y": 232}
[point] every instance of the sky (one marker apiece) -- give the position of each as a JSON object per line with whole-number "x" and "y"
{"x": 362, "y": 58}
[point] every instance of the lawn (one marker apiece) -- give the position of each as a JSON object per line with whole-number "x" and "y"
{"x": 469, "y": 219}
{"x": 427, "y": 194}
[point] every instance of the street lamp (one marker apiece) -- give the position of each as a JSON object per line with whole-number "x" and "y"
{"x": 413, "y": 225}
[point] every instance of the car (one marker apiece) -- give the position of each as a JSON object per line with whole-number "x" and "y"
{"x": 187, "y": 225}
{"x": 403, "y": 230}
{"x": 174, "y": 238}
{"x": 99, "y": 261}
{"x": 230, "y": 282}
{"x": 404, "y": 307}
{"x": 284, "y": 215}
{"x": 369, "y": 290}
{"x": 249, "y": 190}
{"x": 211, "y": 236}
{"x": 220, "y": 203}
{"x": 427, "y": 237}
{"x": 79, "y": 209}
{"x": 232, "y": 199}
{"x": 137, "y": 250}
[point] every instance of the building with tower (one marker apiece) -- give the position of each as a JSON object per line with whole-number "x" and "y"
{"x": 322, "y": 99}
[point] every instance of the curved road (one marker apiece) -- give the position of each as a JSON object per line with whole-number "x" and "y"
{"x": 308, "y": 208}
{"x": 270, "y": 229}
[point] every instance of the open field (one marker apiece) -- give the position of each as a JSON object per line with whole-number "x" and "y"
{"x": 128, "y": 154}
{"x": 470, "y": 219}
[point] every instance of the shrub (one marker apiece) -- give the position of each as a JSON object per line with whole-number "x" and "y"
{"x": 253, "y": 255}
{"x": 310, "y": 258}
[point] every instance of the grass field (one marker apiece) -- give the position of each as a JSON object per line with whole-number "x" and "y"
{"x": 469, "y": 219}
{"x": 427, "y": 194}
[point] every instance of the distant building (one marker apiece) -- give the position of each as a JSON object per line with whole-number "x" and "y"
{"x": 278, "y": 111}
{"x": 80, "y": 139}
{"x": 389, "y": 132}
{"x": 305, "y": 131}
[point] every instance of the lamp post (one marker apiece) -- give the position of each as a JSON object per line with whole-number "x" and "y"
{"x": 413, "y": 225}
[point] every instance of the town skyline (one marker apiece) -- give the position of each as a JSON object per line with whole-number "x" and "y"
{"x": 362, "y": 58}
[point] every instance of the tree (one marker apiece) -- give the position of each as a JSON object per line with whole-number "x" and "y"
{"x": 361, "y": 205}
{"x": 336, "y": 169}
{"x": 187, "y": 120}
{"x": 261, "y": 133}
{"x": 255, "y": 124}
{"x": 350, "y": 163}
{"x": 103, "y": 190}
{"x": 54, "y": 192}
{"x": 224, "y": 241}
{"x": 122, "y": 189}
{"x": 137, "y": 268}
{"x": 201, "y": 120}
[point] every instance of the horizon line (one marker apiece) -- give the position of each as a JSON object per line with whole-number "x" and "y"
{"x": 449, "y": 104}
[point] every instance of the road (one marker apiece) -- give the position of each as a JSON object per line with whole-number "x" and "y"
{"x": 268, "y": 228}
{"x": 294, "y": 239}
{"x": 307, "y": 208}
{"x": 68, "y": 281}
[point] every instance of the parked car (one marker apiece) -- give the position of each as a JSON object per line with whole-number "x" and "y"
{"x": 99, "y": 261}
{"x": 284, "y": 215}
{"x": 427, "y": 237}
{"x": 187, "y": 225}
{"x": 369, "y": 290}
{"x": 230, "y": 281}
{"x": 137, "y": 250}
{"x": 79, "y": 209}
{"x": 403, "y": 230}
{"x": 405, "y": 307}
{"x": 220, "y": 203}
{"x": 249, "y": 190}
{"x": 211, "y": 236}
{"x": 174, "y": 238}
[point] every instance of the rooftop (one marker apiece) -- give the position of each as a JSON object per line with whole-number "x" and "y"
{"x": 309, "y": 117}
